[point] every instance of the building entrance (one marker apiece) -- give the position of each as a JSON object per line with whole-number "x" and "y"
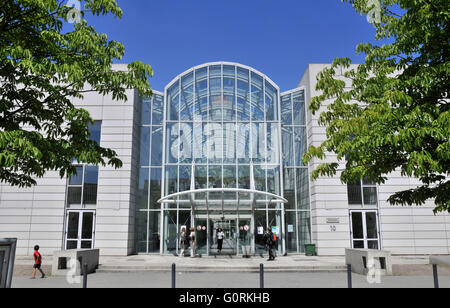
{"x": 229, "y": 244}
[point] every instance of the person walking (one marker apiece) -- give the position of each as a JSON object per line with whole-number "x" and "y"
{"x": 37, "y": 262}
{"x": 183, "y": 241}
{"x": 220, "y": 237}
{"x": 192, "y": 242}
{"x": 270, "y": 242}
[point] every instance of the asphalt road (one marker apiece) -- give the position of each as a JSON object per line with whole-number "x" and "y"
{"x": 230, "y": 280}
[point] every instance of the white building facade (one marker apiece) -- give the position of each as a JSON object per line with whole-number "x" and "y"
{"x": 221, "y": 148}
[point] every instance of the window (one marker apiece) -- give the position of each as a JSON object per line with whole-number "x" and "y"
{"x": 82, "y": 187}
{"x": 362, "y": 193}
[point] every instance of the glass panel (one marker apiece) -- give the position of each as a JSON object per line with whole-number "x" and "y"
{"x": 200, "y": 142}
{"x": 244, "y": 180}
{"x": 90, "y": 185}
{"x": 170, "y": 231}
{"x": 243, "y": 143}
{"x": 145, "y": 112}
{"x": 243, "y": 99}
{"x": 185, "y": 179}
{"x": 300, "y": 144}
{"x": 290, "y": 231}
{"x": 144, "y": 154}
{"x": 215, "y": 99}
{"x": 257, "y": 98}
{"x": 72, "y": 225}
{"x": 258, "y": 142}
{"x": 289, "y": 188}
{"x": 88, "y": 224}
{"x": 154, "y": 227}
{"x": 273, "y": 143}
{"x": 271, "y": 102}
{"x": 95, "y": 131}
{"x": 157, "y": 109}
{"x": 73, "y": 195}
{"x": 275, "y": 224}
{"x": 298, "y": 101}
{"x": 229, "y": 71}
{"x": 141, "y": 231}
{"x": 370, "y": 195}
{"x": 142, "y": 191}
{"x": 86, "y": 244}
{"x": 229, "y": 176}
{"x": 304, "y": 229}
{"x": 354, "y": 193}
{"x": 372, "y": 244}
{"x": 260, "y": 230}
{"x": 229, "y": 108}
{"x": 201, "y": 236}
{"x": 357, "y": 225}
{"x": 215, "y": 71}
{"x": 186, "y": 141}
{"x": 215, "y": 143}
{"x": 156, "y": 149}
{"x": 201, "y": 180}
{"x": 155, "y": 188}
{"x": 286, "y": 110}
{"x": 173, "y": 102}
{"x": 172, "y": 142}
{"x": 77, "y": 179}
{"x": 171, "y": 180}
{"x": 273, "y": 180}
{"x": 371, "y": 225}
{"x": 302, "y": 188}
{"x": 229, "y": 140}
{"x": 187, "y": 97}
{"x": 215, "y": 181}
{"x": 260, "y": 177}
{"x": 71, "y": 245}
{"x": 358, "y": 244}
{"x": 201, "y": 94}
{"x": 288, "y": 147}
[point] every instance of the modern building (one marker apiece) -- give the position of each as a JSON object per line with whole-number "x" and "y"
{"x": 221, "y": 147}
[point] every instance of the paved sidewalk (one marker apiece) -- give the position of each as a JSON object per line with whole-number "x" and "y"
{"x": 402, "y": 265}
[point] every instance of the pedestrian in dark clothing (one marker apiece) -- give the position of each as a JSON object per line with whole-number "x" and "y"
{"x": 270, "y": 242}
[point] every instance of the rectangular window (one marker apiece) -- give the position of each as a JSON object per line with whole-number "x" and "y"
{"x": 82, "y": 187}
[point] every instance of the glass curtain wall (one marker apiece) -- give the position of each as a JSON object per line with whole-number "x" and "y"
{"x": 148, "y": 210}
{"x": 295, "y": 173}
{"x": 220, "y": 120}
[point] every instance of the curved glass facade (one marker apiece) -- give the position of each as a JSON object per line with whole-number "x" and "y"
{"x": 222, "y": 126}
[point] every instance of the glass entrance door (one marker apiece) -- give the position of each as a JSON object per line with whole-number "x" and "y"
{"x": 80, "y": 230}
{"x": 364, "y": 229}
{"x": 230, "y": 239}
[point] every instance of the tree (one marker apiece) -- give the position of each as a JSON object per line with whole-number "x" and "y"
{"x": 396, "y": 114}
{"x": 42, "y": 69}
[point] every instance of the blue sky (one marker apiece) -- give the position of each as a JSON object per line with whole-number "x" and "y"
{"x": 278, "y": 38}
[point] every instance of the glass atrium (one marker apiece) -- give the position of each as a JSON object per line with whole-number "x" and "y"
{"x": 221, "y": 148}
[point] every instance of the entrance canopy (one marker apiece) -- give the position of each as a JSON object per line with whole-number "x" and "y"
{"x": 224, "y": 199}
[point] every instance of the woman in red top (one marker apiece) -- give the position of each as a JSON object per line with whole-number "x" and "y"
{"x": 37, "y": 262}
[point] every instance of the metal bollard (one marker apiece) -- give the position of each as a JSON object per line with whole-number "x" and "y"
{"x": 349, "y": 276}
{"x": 435, "y": 276}
{"x": 85, "y": 270}
{"x": 261, "y": 276}
{"x": 173, "y": 275}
